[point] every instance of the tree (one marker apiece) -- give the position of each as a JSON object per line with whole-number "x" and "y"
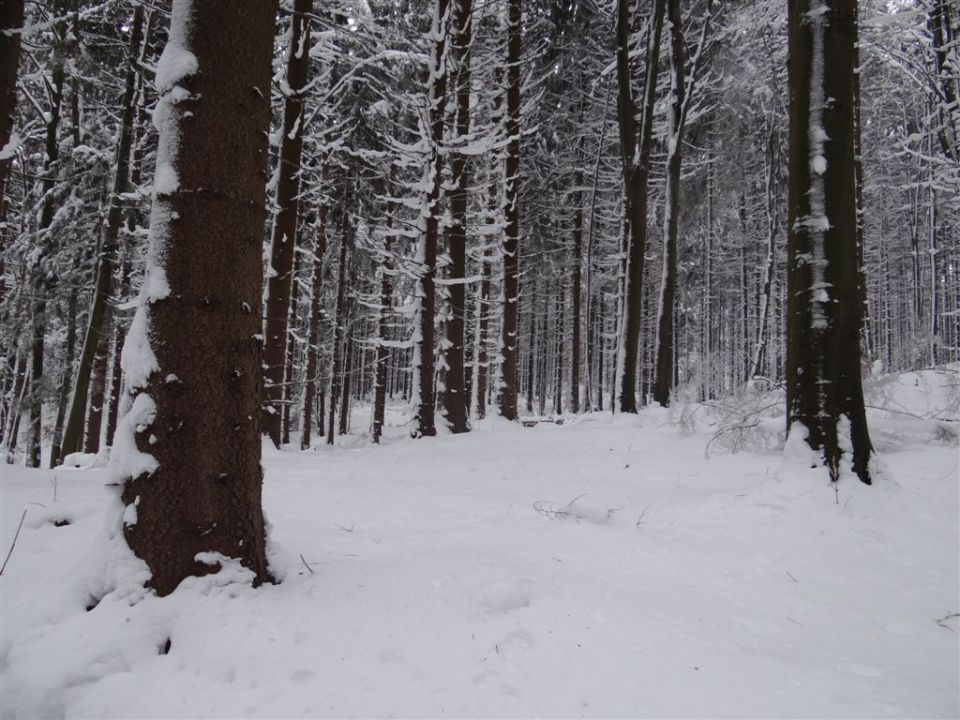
{"x": 283, "y": 241}
{"x": 511, "y": 244}
{"x": 824, "y": 312}
{"x": 187, "y": 451}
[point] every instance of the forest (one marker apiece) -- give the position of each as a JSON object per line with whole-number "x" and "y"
{"x": 664, "y": 274}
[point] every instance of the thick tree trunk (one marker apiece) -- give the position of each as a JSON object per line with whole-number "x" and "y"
{"x": 824, "y": 312}
{"x": 284, "y": 235}
{"x": 454, "y": 395}
{"x": 511, "y": 242}
{"x": 188, "y": 450}
{"x": 98, "y": 317}
{"x": 635, "y": 149}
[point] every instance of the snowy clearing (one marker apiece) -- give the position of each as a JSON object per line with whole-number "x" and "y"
{"x": 603, "y": 567}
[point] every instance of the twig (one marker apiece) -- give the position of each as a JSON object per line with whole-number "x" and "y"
{"x": 642, "y": 513}
{"x": 792, "y": 577}
{"x": 13, "y": 544}
{"x": 306, "y": 564}
{"x": 942, "y": 622}
{"x": 341, "y": 527}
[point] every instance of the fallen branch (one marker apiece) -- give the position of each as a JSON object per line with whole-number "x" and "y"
{"x": 13, "y": 544}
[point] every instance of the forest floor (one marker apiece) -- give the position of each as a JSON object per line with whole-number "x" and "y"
{"x": 628, "y": 567}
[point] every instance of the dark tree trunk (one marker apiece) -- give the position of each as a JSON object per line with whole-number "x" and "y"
{"x": 663, "y": 383}
{"x": 636, "y": 149}
{"x": 533, "y": 354}
{"x": 437, "y": 89}
{"x": 511, "y": 242}
{"x": 289, "y": 370}
{"x": 98, "y": 318}
{"x": 383, "y": 329}
{"x": 345, "y": 398}
{"x": 454, "y": 395}
{"x": 284, "y": 236}
{"x": 11, "y": 18}
{"x": 575, "y": 291}
{"x": 340, "y": 322}
{"x": 189, "y": 447}
{"x": 824, "y": 314}
{"x": 313, "y": 340}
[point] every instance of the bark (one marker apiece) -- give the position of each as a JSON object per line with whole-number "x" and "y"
{"x": 823, "y": 313}
{"x": 383, "y": 330}
{"x": 635, "y": 145}
{"x": 454, "y": 395}
{"x": 196, "y": 413}
{"x": 284, "y": 235}
{"x": 426, "y": 424}
{"x": 575, "y": 319}
{"x": 11, "y": 18}
{"x": 55, "y": 452}
{"x": 313, "y": 339}
{"x": 340, "y": 323}
{"x": 289, "y": 391}
{"x": 98, "y": 391}
{"x": 511, "y": 242}
{"x": 663, "y": 382}
{"x": 99, "y": 314}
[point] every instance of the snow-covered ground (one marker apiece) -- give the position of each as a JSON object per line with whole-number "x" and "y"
{"x": 605, "y": 567}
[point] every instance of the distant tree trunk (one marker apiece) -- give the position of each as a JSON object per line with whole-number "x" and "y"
{"x": 383, "y": 329}
{"x": 98, "y": 317}
{"x": 284, "y": 235}
{"x": 824, "y": 313}
{"x": 188, "y": 449}
{"x": 511, "y": 242}
{"x": 533, "y": 354}
{"x": 313, "y": 340}
{"x": 636, "y": 149}
{"x": 291, "y": 346}
{"x": 345, "y": 398}
{"x": 773, "y": 229}
{"x": 98, "y": 391}
{"x": 558, "y": 351}
{"x": 65, "y": 378}
{"x": 455, "y": 395}
{"x": 433, "y": 182}
{"x": 575, "y": 291}
{"x": 340, "y": 326}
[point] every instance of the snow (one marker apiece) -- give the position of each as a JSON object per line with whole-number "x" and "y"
{"x": 166, "y": 181}
{"x": 11, "y": 147}
{"x": 434, "y": 583}
{"x": 176, "y": 62}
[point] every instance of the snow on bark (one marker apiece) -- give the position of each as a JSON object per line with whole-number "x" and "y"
{"x": 817, "y": 222}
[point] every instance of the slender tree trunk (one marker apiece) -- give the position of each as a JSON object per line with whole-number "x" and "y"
{"x": 313, "y": 340}
{"x": 65, "y": 378}
{"x": 291, "y": 347}
{"x": 455, "y": 396}
{"x": 433, "y": 182}
{"x": 188, "y": 449}
{"x": 284, "y": 236}
{"x": 98, "y": 390}
{"x": 773, "y": 229}
{"x": 824, "y": 314}
{"x": 348, "y": 371}
{"x": 340, "y": 327}
{"x": 98, "y": 317}
{"x": 383, "y": 329}
{"x": 511, "y": 243}
{"x": 575, "y": 291}
{"x": 636, "y": 150}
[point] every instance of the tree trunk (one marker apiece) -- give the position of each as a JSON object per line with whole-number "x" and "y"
{"x": 511, "y": 242}
{"x": 340, "y": 326}
{"x": 663, "y": 383}
{"x": 284, "y": 235}
{"x": 11, "y": 18}
{"x": 433, "y": 182}
{"x": 98, "y": 391}
{"x": 65, "y": 379}
{"x": 188, "y": 449}
{"x": 824, "y": 313}
{"x": 635, "y": 150}
{"x": 454, "y": 394}
{"x": 313, "y": 340}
